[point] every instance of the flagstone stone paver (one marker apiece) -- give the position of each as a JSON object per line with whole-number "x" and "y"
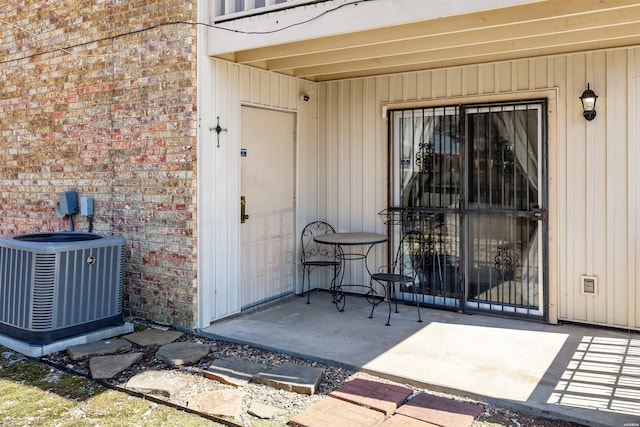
{"x": 234, "y": 371}
{"x": 182, "y": 353}
{"x": 153, "y": 337}
{"x": 157, "y": 383}
{"x": 373, "y": 394}
{"x": 98, "y": 348}
{"x": 292, "y": 377}
{"x": 105, "y": 367}
{"x": 335, "y": 412}
{"x": 266, "y": 412}
{"x": 358, "y": 403}
{"x": 226, "y": 403}
{"x": 440, "y": 410}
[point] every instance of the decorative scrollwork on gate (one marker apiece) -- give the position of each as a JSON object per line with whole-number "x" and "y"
{"x": 504, "y": 155}
{"x": 506, "y": 263}
{"x": 425, "y": 157}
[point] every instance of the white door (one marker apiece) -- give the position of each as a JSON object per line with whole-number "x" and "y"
{"x": 267, "y": 188}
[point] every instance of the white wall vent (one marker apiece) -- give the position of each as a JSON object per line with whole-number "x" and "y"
{"x": 589, "y": 285}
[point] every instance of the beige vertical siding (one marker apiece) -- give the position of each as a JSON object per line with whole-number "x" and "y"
{"x": 594, "y": 215}
{"x": 231, "y": 87}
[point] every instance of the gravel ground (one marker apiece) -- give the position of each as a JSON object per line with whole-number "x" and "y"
{"x": 292, "y": 403}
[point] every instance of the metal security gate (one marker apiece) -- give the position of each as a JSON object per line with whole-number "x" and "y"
{"x": 472, "y": 179}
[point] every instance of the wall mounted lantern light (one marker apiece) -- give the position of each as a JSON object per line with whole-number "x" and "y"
{"x": 588, "y": 99}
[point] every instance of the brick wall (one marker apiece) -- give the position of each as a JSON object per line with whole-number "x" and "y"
{"x": 94, "y": 99}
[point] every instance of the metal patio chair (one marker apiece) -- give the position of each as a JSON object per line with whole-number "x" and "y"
{"x": 404, "y": 270}
{"x": 315, "y": 255}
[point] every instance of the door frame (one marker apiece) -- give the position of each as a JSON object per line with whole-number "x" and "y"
{"x": 551, "y": 95}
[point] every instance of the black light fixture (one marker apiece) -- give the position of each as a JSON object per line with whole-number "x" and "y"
{"x": 588, "y": 99}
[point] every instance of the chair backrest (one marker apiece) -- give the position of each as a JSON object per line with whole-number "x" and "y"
{"x": 312, "y": 250}
{"x": 411, "y": 253}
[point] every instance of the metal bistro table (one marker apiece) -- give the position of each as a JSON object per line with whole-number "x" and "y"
{"x": 352, "y": 240}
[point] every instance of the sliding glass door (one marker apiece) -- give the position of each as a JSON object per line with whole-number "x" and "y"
{"x": 472, "y": 179}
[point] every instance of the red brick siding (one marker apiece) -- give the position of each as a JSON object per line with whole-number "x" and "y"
{"x": 113, "y": 118}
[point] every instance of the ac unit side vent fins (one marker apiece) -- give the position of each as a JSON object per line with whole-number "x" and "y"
{"x": 44, "y": 281}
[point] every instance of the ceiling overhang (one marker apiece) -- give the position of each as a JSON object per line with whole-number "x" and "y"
{"x": 514, "y": 32}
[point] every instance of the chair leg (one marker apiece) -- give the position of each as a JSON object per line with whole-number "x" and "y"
{"x": 393, "y": 293}
{"x": 308, "y": 285}
{"x": 388, "y": 290}
{"x": 333, "y": 283}
{"x": 415, "y": 294}
{"x": 373, "y": 306}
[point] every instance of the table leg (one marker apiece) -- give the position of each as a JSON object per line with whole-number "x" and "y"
{"x": 339, "y": 298}
{"x": 371, "y": 293}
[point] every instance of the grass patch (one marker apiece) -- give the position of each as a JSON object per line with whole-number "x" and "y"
{"x": 34, "y": 394}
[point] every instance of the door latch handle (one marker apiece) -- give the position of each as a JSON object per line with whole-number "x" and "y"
{"x": 243, "y": 207}
{"x": 538, "y": 214}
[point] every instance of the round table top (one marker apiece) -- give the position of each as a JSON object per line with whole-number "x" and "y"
{"x": 350, "y": 238}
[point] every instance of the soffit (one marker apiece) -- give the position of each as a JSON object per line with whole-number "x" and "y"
{"x": 524, "y": 31}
